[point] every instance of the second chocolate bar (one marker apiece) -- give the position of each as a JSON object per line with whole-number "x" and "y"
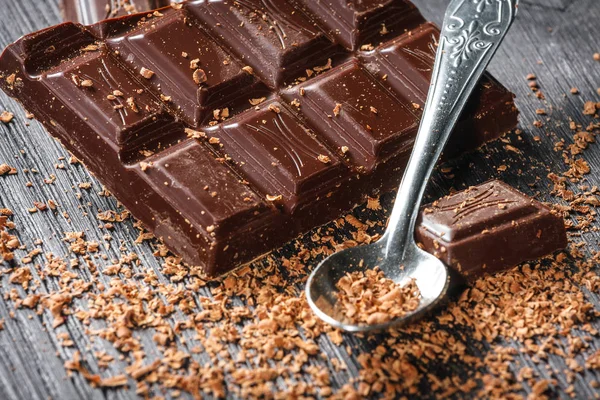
{"x": 488, "y": 228}
{"x": 229, "y": 128}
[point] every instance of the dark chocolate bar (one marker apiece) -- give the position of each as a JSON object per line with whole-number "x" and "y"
{"x": 229, "y": 128}
{"x": 488, "y": 228}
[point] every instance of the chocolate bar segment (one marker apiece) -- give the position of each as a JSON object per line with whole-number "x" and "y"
{"x": 192, "y": 73}
{"x": 280, "y": 155}
{"x": 488, "y": 228}
{"x": 356, "y": 114}
{"x": 354, "y": 23}
{"x": 112, "y": 101}
{"x": 191, "y": 126}
{"x": 204, "y": 190}
{"x": 405, "y": 63}
{"x": 269, "y": 36}
{"x": 109, "y": 100}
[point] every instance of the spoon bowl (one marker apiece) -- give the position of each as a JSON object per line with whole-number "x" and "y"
{"x": 430, "y": 274}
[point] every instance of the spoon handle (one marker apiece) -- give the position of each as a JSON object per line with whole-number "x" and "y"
{"x": 472, "y": 32}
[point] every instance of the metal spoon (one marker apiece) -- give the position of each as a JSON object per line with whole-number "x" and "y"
{"x": 472, "y": 32}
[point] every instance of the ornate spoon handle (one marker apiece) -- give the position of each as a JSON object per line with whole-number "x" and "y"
{"x": 471, "y": 34}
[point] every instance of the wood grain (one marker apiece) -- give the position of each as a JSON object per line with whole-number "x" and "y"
{"x": 560, "y": 5}
{"x": 556, "y": 42}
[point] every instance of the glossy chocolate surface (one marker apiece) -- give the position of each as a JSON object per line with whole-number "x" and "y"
{"x": 230, "y": 127}
{"x": 354, "y": 111}
{"x": 173, "y": 48}
{"x": 354, "y": 23}
{"x": 488, "y": 228}
{"x": 270, "y": 36}
{"x": 279, "y": 154}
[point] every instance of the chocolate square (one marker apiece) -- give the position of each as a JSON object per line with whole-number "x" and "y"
{"x": 356, "y": 114}
{"x": 193, "y": 74}
{"x": 280, "y": 155}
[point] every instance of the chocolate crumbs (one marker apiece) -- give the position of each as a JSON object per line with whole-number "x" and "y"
{"x": 371, "y": 298}
{"x": 337, "y": 109}
{"x": 146, "y": 73}
{"x": 324, "y": 159}
{"x": 199, "y": 76}
{"x": 6, "y": 117}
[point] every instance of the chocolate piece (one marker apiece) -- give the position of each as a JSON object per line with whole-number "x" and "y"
{"x": 112, "y": 101}
{"x": 280, "y": 155}
{"x": 193, "y": 72}
{"x": 211, "y": 198}
{"x": 358, "y": 22}
{"x": 353, "y": 111}
{"x": 270, "y": 36}
{"x": 489, "y": 227}
{"x": 92, "y": 11}
{"x": 183, "y": 114}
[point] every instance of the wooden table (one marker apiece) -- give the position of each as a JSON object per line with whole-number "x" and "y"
{"x": 553, "y": 39}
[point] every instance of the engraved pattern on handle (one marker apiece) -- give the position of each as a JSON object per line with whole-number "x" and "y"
{"x": 466, "y": 45}
{"x": 471, "y": 34}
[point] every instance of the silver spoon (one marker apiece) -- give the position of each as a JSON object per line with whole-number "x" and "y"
{"x": 472, "y": 32}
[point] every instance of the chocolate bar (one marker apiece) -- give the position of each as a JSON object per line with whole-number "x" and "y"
{"x": 229, "y": 128}
{"x": 488, "y": 228}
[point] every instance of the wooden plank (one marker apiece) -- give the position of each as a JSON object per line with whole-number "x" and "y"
{"x": 31, "y": 357}
{"x": 557, "y": 4}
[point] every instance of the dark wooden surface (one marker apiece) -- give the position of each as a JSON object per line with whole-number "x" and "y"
{"x": 553, "y": 39}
